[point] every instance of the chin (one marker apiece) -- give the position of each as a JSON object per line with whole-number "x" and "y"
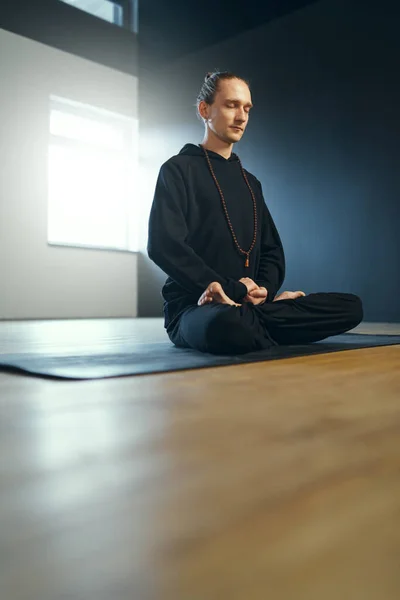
{"x": 232, "y": 139}
{"x": 236, "y": 137}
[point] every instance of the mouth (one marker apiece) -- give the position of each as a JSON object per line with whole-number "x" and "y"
{"x": 237, "y": 128}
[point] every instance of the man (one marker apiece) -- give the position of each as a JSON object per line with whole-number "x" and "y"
{"x": 211, "y": 232}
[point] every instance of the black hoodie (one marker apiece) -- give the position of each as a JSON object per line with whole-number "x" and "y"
{"x": 189, "y": 236}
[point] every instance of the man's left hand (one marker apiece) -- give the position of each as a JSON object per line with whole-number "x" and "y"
{"x": 257, "y": 296}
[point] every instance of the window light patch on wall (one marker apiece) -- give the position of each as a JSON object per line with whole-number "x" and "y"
{"x": 103, "y": 9}
{"x": 92, "y": 177}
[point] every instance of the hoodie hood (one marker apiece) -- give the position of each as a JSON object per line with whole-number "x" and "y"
{"x": 195, "y": 150}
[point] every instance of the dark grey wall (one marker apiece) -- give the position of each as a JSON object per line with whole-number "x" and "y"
{"x": 323, "y": 139}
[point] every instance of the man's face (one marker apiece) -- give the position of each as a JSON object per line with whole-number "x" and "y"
{"x": 229, "y": 114}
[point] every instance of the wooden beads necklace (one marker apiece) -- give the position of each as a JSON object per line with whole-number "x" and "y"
{"x": 247, "y": 253}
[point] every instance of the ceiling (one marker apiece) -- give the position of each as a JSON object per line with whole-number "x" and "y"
{"x": 169, "y": 30}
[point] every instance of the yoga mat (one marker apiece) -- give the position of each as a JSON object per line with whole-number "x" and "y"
{"x": 158, "y": 357}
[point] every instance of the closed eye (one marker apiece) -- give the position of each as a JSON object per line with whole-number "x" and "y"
{"x": 233, "y": 105}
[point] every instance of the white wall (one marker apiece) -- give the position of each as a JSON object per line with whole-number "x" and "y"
{"x": 38, "y": 281}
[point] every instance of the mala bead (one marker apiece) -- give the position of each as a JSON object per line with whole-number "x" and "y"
{"x": 247, "y": 262}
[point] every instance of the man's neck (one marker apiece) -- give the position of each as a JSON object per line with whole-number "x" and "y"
{"x": 216, "y": 145}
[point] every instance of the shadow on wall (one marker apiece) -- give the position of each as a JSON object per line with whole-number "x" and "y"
{"x": 323, "y": 140}
{"x": 162, "y": 135}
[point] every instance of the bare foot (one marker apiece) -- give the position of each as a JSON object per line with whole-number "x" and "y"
{"x": 289, "y": 296}
{"x": 216, "y": 295}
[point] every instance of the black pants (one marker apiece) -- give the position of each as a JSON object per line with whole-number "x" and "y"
{"x": 224, "y": 329}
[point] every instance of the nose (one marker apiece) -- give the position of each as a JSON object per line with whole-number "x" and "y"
{"x": 241, "y": 115}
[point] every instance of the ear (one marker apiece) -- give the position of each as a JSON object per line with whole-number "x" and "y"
{"x": 203, "y": 109}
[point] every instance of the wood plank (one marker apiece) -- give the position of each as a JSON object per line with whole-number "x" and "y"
{"x": 265, "y": 480}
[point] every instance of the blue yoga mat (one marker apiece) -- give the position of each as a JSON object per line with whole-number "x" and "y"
{"x": 158, "y": 357}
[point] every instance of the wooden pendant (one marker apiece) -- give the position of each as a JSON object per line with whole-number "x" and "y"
{"x": 247, "y": 263}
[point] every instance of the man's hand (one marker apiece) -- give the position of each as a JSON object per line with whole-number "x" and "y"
{"x": 255, "y": 294}
{"x": 249, "y": 283}
{"x": 288, "y": 296}
{"x": 215, "y": 294}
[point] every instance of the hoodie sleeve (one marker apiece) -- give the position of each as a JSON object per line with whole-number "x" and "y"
{"x": 167, "y": 235}
{"x": 271, "y": 270}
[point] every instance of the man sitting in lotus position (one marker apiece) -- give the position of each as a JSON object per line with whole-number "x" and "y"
{"x": 211, "y": 232}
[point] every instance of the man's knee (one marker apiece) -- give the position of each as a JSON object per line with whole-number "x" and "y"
{"x": 355, "y": 308}
{"x": 227, "y": 333}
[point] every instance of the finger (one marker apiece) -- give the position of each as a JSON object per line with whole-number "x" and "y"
{"x": 205, "y": 298}
{"x": 260, "y": 293}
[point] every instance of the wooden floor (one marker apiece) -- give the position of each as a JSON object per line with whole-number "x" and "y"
{"x": 276, "y": 480}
